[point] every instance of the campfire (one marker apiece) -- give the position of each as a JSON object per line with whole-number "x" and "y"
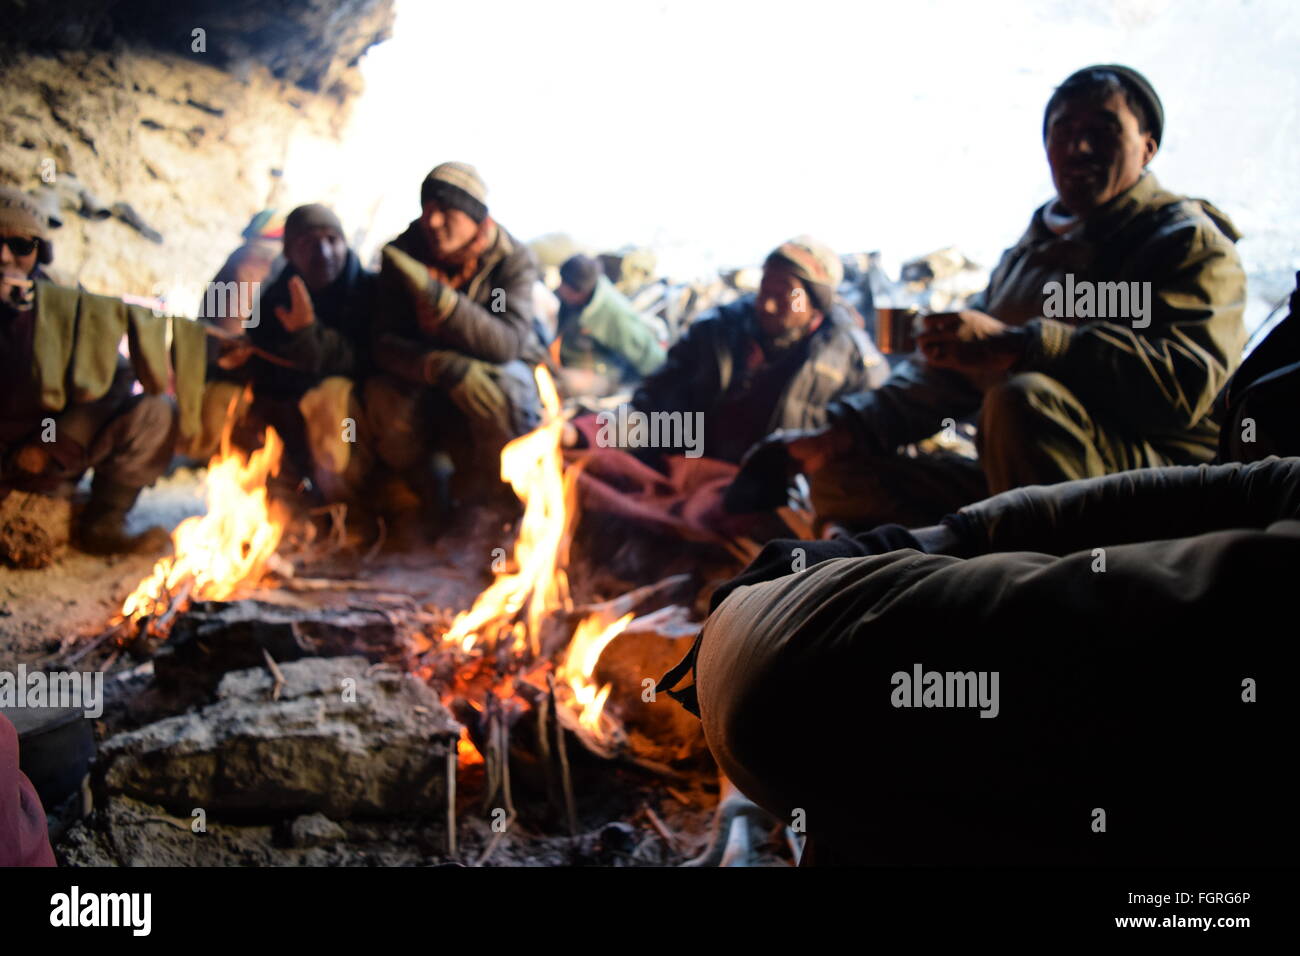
{"x": 520, "y": 646}
{"x": 216, "y": 554}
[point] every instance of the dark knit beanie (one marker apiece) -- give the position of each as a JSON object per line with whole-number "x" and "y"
{"x": 456, "y": 186}
{"x": 1134, "y": 83}
{"x": 580, "y": 273}
{"x": 306, "y": 218}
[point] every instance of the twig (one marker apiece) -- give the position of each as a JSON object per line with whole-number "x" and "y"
{"x": 276, "y": 673}
{"x": 669, "y": 837}
{"x": 451, "y": 799}
{"x": 679, "y": 797}
{"x": 503, "y": 736}
{"x": 182, "y": 595}
{"x": 100, "y": 639}
{"x": 109, "y": 661}
{"x": 496, "y": 838}
{"x": 566, "y": 779}
{"x": 379, "y": 541}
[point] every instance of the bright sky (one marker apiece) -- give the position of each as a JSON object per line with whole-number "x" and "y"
{"x": 714, "y": 130}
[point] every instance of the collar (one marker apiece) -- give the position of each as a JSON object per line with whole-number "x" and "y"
{"x": 1106, "y": 220}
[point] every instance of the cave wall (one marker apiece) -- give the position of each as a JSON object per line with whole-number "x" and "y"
{"x": 111, "y": 106}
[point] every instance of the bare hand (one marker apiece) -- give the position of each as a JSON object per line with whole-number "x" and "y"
{"x": 16, "y": 289}
{"x": 234, "y": 355}
{"x": 300, "y": 313}
{"x": 32, "y": 459}
{"x": 814, "y": 449}
{"x": 968, "y": 341}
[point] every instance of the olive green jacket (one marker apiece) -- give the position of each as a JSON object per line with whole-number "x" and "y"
{"x": 75, "y": 351}
{"x": 1154, "y": 376}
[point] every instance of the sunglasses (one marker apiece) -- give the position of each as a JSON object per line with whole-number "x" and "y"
{"x": 20, "y": 245}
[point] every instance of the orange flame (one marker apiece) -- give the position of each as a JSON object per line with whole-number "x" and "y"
{"x": 534, "y": 466}
{"x": 590, "y": 639}
{"x": 225, "y": 548}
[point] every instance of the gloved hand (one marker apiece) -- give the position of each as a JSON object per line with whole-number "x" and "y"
{"x": 432, "y": 299}
{"x": 789, "y": 556}
{"x": 479, "y": 396}
{"x": 405, "y": 359}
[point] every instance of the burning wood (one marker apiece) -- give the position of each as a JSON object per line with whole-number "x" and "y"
{"x": 215, "y": 554}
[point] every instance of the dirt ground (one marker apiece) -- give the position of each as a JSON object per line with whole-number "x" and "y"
{"x": 74, "y": 597}
{"x": 627, "y": 816}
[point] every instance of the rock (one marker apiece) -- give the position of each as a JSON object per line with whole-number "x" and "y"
{"x": 660, "y": 729}
{"x": 338, "y": 741}
{"x": 214, "y": 637}
{"x": 314, "y": 829}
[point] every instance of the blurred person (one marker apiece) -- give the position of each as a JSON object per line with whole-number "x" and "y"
{"x": 771, "y": 360}
{"x": 604, "y": 344}
{"x": 1059, "y": 391}
{"x": 315, "y": 318}
{"x": 67, "y": 402}
{"x": 984, "y": 686}
{"x": 455, "y": 346}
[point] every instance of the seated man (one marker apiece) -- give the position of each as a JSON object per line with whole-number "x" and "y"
{"x": 66, "y": 402}
{"x": 455, "y": 345}
{"x": 1039, "y": 679}
{"x": 604, "y": 344}
{"x": 1099, "y": 346}
{"x": 307, "y": 345}
{"x": 770, "y": 360}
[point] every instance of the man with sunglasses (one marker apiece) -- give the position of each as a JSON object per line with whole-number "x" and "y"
{"x": 48, "y": 440}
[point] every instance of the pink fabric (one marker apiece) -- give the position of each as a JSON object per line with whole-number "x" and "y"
{"x": 687, "y": 501}
{"x": 24, "y": 839}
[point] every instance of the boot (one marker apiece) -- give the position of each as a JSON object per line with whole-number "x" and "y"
{"x": 432, "y": 483}
{"x": 103, "y": 524}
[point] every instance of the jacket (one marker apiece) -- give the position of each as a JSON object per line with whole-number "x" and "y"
{"x": 699, "y": 368}
{"x": 1156, "y": 382}
{"x": 75, "y": 355}
{"x": 492, "y": 317}
{"x": 608, "y": 336}
{"x": 337, "y": 343}
{"x": 1258, "y": 405}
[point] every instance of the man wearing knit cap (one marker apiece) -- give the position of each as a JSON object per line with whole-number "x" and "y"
{"x": 66, "y": 401}
{"x": 770, "y": 360}
{"x": 313, "y": 330}
{"x": 1099, "y": 345}
{"x": 604, "y": 344}
{"x": 456, "y": 344}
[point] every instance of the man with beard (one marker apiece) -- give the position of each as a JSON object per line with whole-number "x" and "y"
{"x": 312, "y": 330}
{"x": 768, "y": 361}
{"x": 455, "y": 344}
{"x": 1059, "y": 393}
